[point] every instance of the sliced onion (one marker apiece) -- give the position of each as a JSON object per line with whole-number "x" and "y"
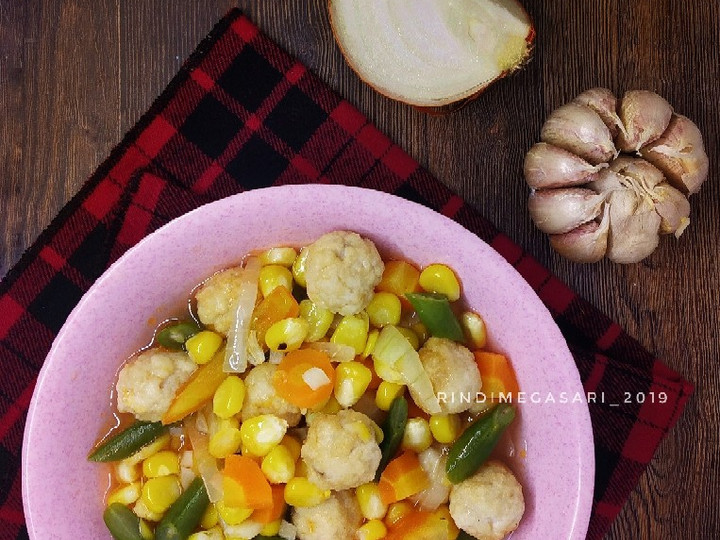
{"x": 432, "y": 53}
{"x": 433, "y": 461}
{"x": 337, "y": 352}
{"x": 236, "y": 357}
{"x": 315, "y": 378}
{"x": 205, "y": 464}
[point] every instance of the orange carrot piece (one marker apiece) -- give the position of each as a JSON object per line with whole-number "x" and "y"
{"x": 275, "y": 512}
{"x": 197, "y": 391}
{"x": 279, "y": 304}
{"x": 400, "y": 277}
{"x": 404, "y": 476}
{"x": 244, "y": 484}
{"x": 498, "y": 376}
{"x": 419, "y": 524}
{"x": 289, "y": 382}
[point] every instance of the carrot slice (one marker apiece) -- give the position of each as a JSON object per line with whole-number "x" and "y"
{"x": 244, "y": 484}
{"x": 305, "y": 378}
{"x": 275, "y": 512}
{"x": 404, "y": 476}
{"x": 279, "y": 304}
{"x": 400, "y": 277}
{"x": 498, "y": 376}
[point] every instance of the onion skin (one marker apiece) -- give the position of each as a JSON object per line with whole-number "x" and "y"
{"x": 556, "y": 211}
{"x": 548, "y": 166}
{"x": 645, "y": 115}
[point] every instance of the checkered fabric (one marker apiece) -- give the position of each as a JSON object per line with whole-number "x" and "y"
{"x": 243, "y": 114}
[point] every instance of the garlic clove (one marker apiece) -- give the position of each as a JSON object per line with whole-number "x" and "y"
{"x": 607, "y": 180}
{"x": 634, "y": 227}
{"x": 584, "y": 244}
{"x": 578, "y": 129}
{"x": 557, "y": 211}
{"x": 604, "y": 103}
{"x": 681, "y": 154}
{"x": 674, "y": 209}
{"x": 548, "y": 166}
{"x": 638, "y": 172}
{"x": 645, "y": 115}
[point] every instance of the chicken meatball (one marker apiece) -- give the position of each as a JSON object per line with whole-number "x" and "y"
{"x": 453, "y": 373}
{"x": 489, "y": 504}
{"x": 340, "y": 450}
{"x": 147, "y": 384}
{"x": 336, "y": 518}
{"x": 217, "y": 299}
{"x": 261, "y": 397}
{"x": 341, "y": 271}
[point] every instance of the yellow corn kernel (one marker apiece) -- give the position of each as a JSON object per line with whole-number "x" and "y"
{"x": 284, "y": 256}
{"x": 262, "y": 433}
{"x": 331, "y": 406}
{"x": 293, "y": 446}
{"x": 352, "y": 330}
{"x": 232, "y": 515}
{"x": 421, "y": 331}
{"x": 127, "y": 471}
{"x": 213, "y": 533}
{"x": 410, "y": 335}
{"x": 474, "y": 327}
{"x": 319, "y": 319}
{"x": 351, "y": 381}
{"x": 370, "y": 343}
{"x": 210, "y": 517}
{"x": 229, "y": 397}
{"x": 161, "y": 443}
{"x": 298, "y": 268}
{"x": 278, "y": 465}
{"x": 443, "y": 513}
{"x": 287, "y": 334}
{"x": 202, "y": 346}
{"x": 361, "y": 429}
{"x": 161, "y": 464}
{"x": 224, "y": 442}
{"x": 396, "y": 511}
{"x": 143, "y": 512}
{"x": 384, "y": 308}
{"x": 440, "y": 278}
{"x": 301, "y": 492}
{"x": 145, "y": 531}
{"x": 159, "y": 493}
{"x": 445, "y": 428}
{"x": 372, "y": 530}
{"x": 417, "y": 436}
{"x": 370, "y": 501}
{"x": 272, "y": 528}
{"x": 126, "y": 495}
{"x": 386, "y": 394}
{"x": 379, "y": 434}
{"x": 274, "y": 275}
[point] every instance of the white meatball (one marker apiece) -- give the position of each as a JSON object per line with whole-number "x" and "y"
{"x": 147, "y": 384}
{"x": 453, "y": 373}
{"x": 217, "y": 299}
{"x": 336, "y": 518}
{"x": 341, "y": 450}
{"x": 489, "y": 505}
{"x": 341, "y": 271}
{"x": 261, "y": 397}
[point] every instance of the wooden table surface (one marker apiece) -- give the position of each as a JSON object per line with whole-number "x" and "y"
{"x": 76, "y": 74}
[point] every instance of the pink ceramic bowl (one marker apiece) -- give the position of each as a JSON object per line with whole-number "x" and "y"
{"x": 62, "y": 491}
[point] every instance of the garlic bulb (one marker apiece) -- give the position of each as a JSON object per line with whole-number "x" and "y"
{"x": 595, "y": 202}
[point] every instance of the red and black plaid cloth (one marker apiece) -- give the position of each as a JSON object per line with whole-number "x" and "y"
{"x": 243, "y": 114}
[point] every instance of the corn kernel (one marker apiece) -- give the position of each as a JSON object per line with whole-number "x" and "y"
{"x": 143, "y": 512}
{"x": 384, "y": 308}
{"x": 161, "y": 443}
{"x": 126, "y": 495}
{"x": 417, "y": 436}
{"x": 278, "y": 465}
{"x": 411, "y": 336}
{"x": 351, "y": 381}
{"x": 396, "y": 511}
{"x": 213, "y": 533}
{"x": 210, "y": 517}
{"x": 159, "y": 493}
{"x": 232, "y": 515}
{"x": 352, "y": 330}
{"x": 272, "y": 528}
{"x": 161, "y": 464}
{"x": 274, "y": 275}
{"x": 301, "y": 492}
{"x": 386, "y": 394}
{"x": 372, "y": 530}
{"x": 318, "y": 318}
{"x": 229, "y": 397}
{"x": 127, "y": 471}
{"x": 474, "y": 328}
{"x": 370, "y": 343}
{"x": 445, "y": 428}
{"x": 361, "y": 429}
{"x": 370, "y": 501}
{"x": 293, "y": 446}
{"x": 439, "y": 278}
{"x": 202, "y": 346}
{"x": 298, "y": 267}
{"x": 145, "y": 531}
{"x": 262, "y": 433}
{"x": 287, "y": 334}
{"x": 284, "y": 256}
{"x": 421, "y": 331}
{"x": 443, "y": 513}
{"x": 224, "y": 442}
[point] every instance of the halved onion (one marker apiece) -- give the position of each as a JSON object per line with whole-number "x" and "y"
{"x": 432, "y": 53}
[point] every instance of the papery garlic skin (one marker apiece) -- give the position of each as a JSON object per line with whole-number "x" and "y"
{"x": 645, "y": 115}
{"x": 556, "y": 211}
{"x": 549, "y": 166}
{"x": 634, "y": 227}
{"x": 604, "y": 103}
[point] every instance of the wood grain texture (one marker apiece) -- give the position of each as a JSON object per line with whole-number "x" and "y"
{"x": 76, "y": 74}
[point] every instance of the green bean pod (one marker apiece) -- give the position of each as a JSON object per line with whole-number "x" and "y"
{"x": 437, "y": 315}
{"x": 183, "y": 517}
{"x": 393, "y": 430}
{"x": 474, "y": 446}
{"x": 122, "y": 522}
{"x": 175, "y": 335}
{"x": 128, "y": 441}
